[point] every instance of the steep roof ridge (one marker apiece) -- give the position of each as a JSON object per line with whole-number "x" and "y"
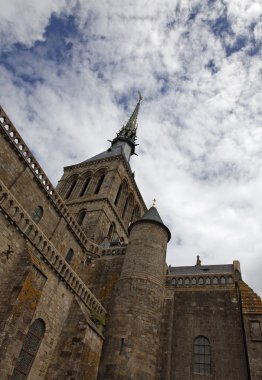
{"x": 251, "y": 301}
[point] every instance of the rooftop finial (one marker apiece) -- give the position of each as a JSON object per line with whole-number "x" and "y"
{"x": 154, "y": 202}
{"x": 198, "y": 262}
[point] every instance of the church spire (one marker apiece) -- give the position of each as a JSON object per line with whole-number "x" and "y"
{"x": 129, "y": 130}
{"x": 127, "y": 134}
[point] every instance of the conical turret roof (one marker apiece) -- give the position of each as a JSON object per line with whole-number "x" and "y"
{"x": 152, "y": 215}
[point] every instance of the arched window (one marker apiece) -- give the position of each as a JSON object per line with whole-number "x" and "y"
{"x": 71, "y": 188}
{"x": 202, "y": 356}
{"x": 208, "y": 282}
{"x": 37, "y": 214}
{"x": 85, "y": 185}
{"x": 111, "y": 231}
{"x": 118, "y": 195}
{"x": 200, "y": 281}
{"x": 81, "y": 217}
{"x": 215, "y": 281}
{"x": 29, "y": 350}
{"x": 99, "y": 184}
{"x": 69, "y": 255}
{"x": 230, "y": 280}
{"x": 222, "y": 280}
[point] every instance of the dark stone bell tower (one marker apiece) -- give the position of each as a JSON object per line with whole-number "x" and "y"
{"x": 101, "y": 191}
{"x": 131, "y": 349}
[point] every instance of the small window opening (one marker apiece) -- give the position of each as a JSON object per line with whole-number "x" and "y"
{"x": 100, "y": 182}
{"x": 111, "y": 231}
{"x": 122, "y": 345}
{"x": 71, "y": 188}
{"x": 81, "y": 217}
{"x": 69, "y": 255}
{"x": 37, "y": 214}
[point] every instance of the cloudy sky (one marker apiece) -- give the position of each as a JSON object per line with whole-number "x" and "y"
{"x": 69, "y": 76}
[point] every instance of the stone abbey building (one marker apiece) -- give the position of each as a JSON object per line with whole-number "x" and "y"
{"x": 85, "y": 289}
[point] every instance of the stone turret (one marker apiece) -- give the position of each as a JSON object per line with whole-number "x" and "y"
{"x": 133, "y": 330}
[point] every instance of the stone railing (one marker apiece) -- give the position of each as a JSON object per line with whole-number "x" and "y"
{"x": 199, "y": 280}
{"x": 114, "y": 251}
{"x": 10, "y": 132}
{"x": 22, "y": 220}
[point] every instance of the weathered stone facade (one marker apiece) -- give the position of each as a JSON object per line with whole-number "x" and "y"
{"x": 84, "y": 286}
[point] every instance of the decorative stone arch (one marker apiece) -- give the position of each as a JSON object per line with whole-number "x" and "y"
{"x": 69, "y": 186}
{"x": 230, "y": 280}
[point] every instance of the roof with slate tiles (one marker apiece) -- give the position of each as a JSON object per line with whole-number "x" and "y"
{"x": 200, "y": 269}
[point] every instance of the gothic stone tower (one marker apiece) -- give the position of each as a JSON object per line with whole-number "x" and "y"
{"x": 101, "y": 192}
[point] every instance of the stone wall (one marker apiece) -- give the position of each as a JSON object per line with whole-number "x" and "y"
{"x": 214, "y": 314}
{"x": 36, "y": 281}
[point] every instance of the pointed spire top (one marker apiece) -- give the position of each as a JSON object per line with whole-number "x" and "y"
{"x": 154, "y": 202}
{"x": 129, "y": 130}
{"x": 127, "y": 134}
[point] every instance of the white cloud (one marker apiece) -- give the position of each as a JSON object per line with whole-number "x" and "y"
{"x": 199, "y": 126}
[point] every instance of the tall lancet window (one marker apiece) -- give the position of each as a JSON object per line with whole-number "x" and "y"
{"x": 85, "y": 186}
{"x": 99, "y": 184}
{"x": 29, "y": 350}
{"x": 71, "y": 188}
{"x": 202, "y": 356}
